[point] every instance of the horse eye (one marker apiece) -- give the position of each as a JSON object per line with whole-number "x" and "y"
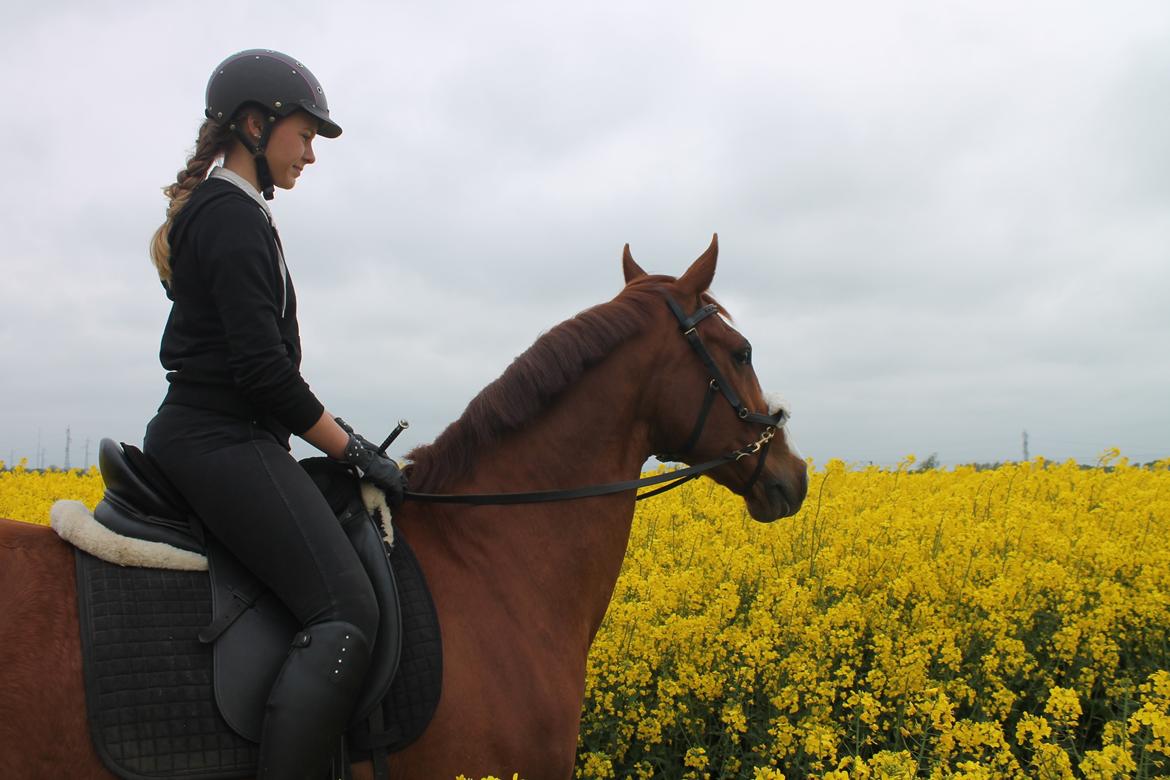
{"x": 744, "y": 356}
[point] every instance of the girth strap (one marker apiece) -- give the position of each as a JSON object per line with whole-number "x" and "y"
{"x": 377, "y": 725}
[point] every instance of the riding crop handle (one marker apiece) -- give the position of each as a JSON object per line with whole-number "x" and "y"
{"x": 402, "y": 426}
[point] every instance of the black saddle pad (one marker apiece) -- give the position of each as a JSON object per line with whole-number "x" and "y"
{"x": 148, "y": 678}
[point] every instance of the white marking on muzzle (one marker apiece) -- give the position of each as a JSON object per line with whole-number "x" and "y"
{"x": 776, "y": 404}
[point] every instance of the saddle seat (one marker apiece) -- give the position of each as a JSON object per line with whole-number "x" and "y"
{"x": 140, "y": 502}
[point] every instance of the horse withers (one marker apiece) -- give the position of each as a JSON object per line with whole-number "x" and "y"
{"x": 520, "y": 590}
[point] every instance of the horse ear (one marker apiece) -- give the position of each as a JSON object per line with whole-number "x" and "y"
{"x": 698, "y": 277}
{"x": 631, "y": 269}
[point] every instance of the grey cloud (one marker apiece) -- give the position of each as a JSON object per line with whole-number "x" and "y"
{"x": 938, "y": 229}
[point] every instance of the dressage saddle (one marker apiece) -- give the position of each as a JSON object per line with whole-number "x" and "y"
{"x": 246, "y": 631}
{"x": 251, "y": 629}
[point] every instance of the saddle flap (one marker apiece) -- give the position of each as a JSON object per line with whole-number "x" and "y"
{"x": 342, "y": 490}
{"x": 253, "y": 630}
{"x": 367, "y": 542}
{"x": 252, "y": 636}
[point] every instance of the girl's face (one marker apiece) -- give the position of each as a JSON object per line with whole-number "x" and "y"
{"x": 290, "y": 148}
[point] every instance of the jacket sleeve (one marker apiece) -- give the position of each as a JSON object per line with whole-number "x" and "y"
{"x": 234, "y": 245}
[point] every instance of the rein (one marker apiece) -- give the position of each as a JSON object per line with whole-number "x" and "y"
{"x": 679, "y": 476}
{"x": 675, "y": 478}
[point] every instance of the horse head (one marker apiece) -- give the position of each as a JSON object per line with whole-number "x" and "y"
{"x": 705, "y": 401}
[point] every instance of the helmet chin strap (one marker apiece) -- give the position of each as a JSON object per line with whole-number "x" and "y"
{"x": 257, "y": 148}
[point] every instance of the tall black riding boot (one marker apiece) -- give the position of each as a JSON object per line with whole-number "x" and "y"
{"x": 312, "y": 700}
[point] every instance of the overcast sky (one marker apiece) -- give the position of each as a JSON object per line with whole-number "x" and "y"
{"x": 941, "y": 224}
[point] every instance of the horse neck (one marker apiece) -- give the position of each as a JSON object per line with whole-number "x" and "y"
{"x": 559, "y": 559}
{"x": 592, "y": 435}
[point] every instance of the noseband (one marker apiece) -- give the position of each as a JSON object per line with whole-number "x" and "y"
{"x": 717, "y": 384}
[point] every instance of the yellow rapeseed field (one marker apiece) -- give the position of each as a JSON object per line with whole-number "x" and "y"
{"x": 957, "y": 623}
{"x": 27, "y": 494}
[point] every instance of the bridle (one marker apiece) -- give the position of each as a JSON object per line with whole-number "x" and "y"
{"x": 717, "y": 384}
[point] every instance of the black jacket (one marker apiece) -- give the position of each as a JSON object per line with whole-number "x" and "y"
{"x": 232, "y": 342}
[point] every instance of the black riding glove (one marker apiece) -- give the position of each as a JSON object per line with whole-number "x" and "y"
{"x": 376, "y": 467}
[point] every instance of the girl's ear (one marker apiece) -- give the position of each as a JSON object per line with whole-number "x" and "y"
{"x": 251, "y": 123}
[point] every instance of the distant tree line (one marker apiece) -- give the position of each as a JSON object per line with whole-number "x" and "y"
{"x": 932, "y": 462}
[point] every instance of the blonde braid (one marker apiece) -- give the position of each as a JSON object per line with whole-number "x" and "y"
{"x": 212, "y": 142}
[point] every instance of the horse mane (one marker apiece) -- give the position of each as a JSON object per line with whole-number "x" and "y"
{"x": 533, "y": 381}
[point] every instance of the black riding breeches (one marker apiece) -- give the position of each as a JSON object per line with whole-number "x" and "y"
{"x": 262, "y": 506}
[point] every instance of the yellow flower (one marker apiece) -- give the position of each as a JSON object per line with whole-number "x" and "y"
{"x": 942, "y": 624}
{"x": 595, "y": 766}
{"x": 1032, "y": 731}
{"x": 1109, "y": 763}
{"x": 767, "y": 773}
{"x": 1064, "y": 706}
{"x": 696, "y": 758}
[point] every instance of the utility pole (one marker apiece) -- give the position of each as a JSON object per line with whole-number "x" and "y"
{"x": 40, "y": 452}
{"x": 1025, "y": 445}
{"x": 86, "y": 453}
{"x": 68, "y": 439}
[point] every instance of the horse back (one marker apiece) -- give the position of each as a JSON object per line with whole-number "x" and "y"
{"x": 43, "y": 728}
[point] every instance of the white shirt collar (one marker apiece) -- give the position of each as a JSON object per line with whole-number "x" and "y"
{"x": 219, "y": 172}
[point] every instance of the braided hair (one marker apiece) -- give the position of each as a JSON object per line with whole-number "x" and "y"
{"x": 212, "y": 142}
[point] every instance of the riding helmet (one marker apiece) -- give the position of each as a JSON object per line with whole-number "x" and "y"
{"x": 274, "y": 81}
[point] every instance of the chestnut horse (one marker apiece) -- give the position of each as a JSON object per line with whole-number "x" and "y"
{"x": 520, "y": 590}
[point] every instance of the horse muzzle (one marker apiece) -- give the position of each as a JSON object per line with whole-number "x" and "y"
{"x": 777, "y": 496}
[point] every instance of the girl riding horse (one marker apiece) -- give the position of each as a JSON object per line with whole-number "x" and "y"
{"x": 232, "y": 351}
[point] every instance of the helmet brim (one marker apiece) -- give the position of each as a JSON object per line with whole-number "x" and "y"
{"x": 326, "y": 126}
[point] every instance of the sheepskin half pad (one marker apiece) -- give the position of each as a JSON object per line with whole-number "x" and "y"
{"x": 74, "y": 523}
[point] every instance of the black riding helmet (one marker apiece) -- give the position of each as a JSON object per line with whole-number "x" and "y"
{"x": 275, "y": 83}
